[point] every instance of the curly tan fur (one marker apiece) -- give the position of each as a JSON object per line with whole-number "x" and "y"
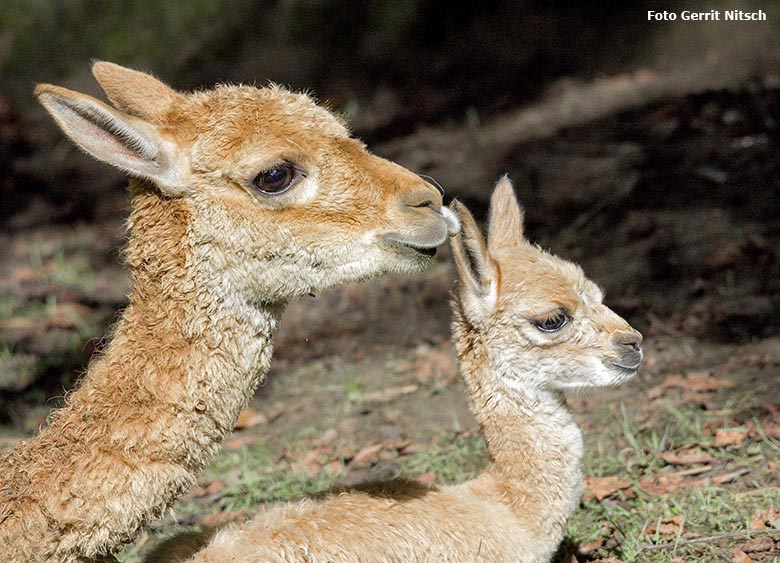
{"x": 516, "y": 509}
{"x": 213, "y": 261}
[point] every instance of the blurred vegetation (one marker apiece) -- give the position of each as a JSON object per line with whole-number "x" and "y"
{"x": 59, "y": 35}
{"x": 433, "y": 54}
{"x": 435, "y": 57}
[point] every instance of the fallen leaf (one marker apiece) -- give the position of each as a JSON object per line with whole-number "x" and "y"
{"x": 364, "y": 456}
{"x": 768, "y": 427}
{"x": 413, "y": 448}
{"x": 397, "y": 444}
{"x": 207, "y": 488}
{"x": 336, "y": 467}
{"x": 239, "y": 442}
{"x": 220, "y": 519}
{"x": 309, "y": 469}
{"x": 757, "y": 545}
{"x": 215, "y": 486}
{"x": 590, "y": 547}
{"x": 319, "y": 454}
{"x": 250, "y": 418}
{"x": 703, "y": 482}
{"x": 667, "y": 528}
{"x": 603, "y": 487}
{"x": 67, "y": 315}
{"x": 23, "y": 274}
{"x": 761, "y": 520}
{"x": 388, "y": 395}
{"x": 663, "y": 484}
{"x": 705, "y": 381}
{"x": 696, "y": 381}
{"x": 739, "y": 556}
{"x": 725, "y": 437}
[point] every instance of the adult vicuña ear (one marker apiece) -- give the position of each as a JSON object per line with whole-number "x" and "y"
{"x": 505, "y": 227}
{"x": 116, "y": 138}
{"x": 477, "y": 271}
{"x": 134, "y": 92}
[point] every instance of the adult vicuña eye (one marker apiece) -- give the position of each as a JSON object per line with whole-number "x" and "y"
{"x": 277, "y": 179}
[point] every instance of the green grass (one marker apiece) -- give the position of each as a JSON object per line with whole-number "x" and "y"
{"x": 625, "y": 525}
{"x": 72, "y": 270}
{"x": 9, "y": 304}
{"x": 630, "y": 525}
{"x": 261, "y": 480}
{"x": 59, "y": 352}
{"x": 453, "y": 460}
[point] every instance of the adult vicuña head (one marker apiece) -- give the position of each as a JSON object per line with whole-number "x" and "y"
{"x": 269, "y": 184}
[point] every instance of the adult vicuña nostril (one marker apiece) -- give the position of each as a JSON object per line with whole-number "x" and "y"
{"x": 426, "y": 196}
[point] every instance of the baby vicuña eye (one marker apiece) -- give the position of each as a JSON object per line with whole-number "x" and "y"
{"x": 277, "y": 179}
{"x": 552, "y": 323}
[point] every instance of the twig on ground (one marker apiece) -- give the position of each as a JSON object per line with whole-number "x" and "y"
{"x": 717, "y": 537}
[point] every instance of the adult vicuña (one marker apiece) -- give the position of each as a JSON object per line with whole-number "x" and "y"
{"x": 527, "y": 326}
{"x": 241, "y": 199}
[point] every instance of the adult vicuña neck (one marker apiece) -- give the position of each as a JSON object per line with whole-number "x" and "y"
{"x": 155, "y": 406}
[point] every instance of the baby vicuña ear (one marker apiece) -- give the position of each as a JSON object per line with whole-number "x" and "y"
{"x": 129, "y": 143}
{"x": 477, "y": 271}
{"x": 506, "y": 216}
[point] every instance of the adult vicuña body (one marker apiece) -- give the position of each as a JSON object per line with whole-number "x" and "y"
{"x": 527, "y": 325}
{"x": 242, "y": 198}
